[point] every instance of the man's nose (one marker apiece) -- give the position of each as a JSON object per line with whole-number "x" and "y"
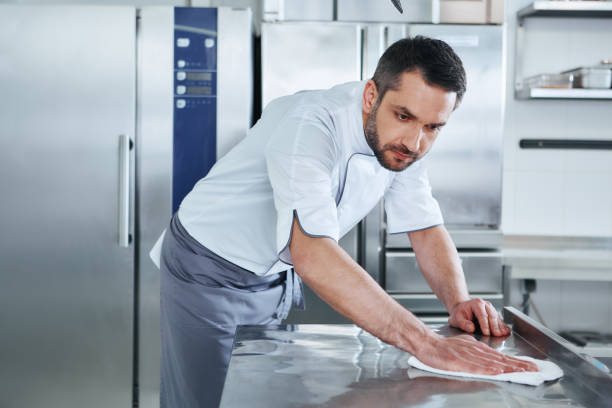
{"x": 413, "y": 137}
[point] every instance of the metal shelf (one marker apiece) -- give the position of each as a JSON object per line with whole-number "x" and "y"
{"x": 553, "y": 93}
{"x": 545, "y": 8}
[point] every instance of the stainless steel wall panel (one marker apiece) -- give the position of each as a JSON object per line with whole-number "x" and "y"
{"x": 482, "y": 272}
{"x": 154, "y": 181}
{"x": 330, "y": 56}
{"x": 66, "y": 289}
{"x": 465, "y": 164}
{"x": 234, "y": 77}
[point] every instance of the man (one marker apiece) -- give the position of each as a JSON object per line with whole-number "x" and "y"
{"x": 311, "y": 168}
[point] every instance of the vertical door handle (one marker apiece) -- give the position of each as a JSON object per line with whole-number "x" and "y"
{"x": 125, "y": 144}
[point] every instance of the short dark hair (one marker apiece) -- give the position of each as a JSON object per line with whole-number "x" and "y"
{"x": 434, "y": 59}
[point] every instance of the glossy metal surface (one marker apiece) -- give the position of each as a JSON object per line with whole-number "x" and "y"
{"x": 154, "y": 182}
{"x": 341, "y": 366}
{"x": 124, "y": 190}
{"x": 67, "y": 75}
{"x": 465, "y": 164}
{"x": 482, "y": 272}
{"x": 301, "y": 56}
{"x": 234, "y": 77}
{"x": 463, "y": 238}
{"x": 428, "y": 304}
{"x": 591, "y": 385}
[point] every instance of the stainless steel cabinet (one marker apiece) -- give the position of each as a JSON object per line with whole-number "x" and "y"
{"x": 482, "y": 272}
{"x": 67, "y": 76}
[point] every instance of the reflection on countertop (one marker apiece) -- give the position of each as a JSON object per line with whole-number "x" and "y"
{"x": 343, "y": 366}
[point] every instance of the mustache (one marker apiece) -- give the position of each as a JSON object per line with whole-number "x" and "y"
{"x": 403, "y": 150}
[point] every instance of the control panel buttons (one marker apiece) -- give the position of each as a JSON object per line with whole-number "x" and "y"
{"x": 181, "y": 63}
{"x": 181, "y": 75}
{"x": 180, "y": 90}
{"x": 182, "y": 42}
{"x": 180, "y": 103}
{"x": 209, "y": 43}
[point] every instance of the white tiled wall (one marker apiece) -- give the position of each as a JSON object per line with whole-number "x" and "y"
{"x": 556, "y": 192}
{"x": 571, "y": 305}
{"x": 559, "y": 192}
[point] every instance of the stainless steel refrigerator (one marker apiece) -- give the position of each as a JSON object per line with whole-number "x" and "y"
{"x": 108, "y": 114}
{"x": 465, "y": 165}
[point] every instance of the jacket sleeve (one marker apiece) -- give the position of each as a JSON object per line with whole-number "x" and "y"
{"x": 409, "y": 203}
{"x": 300, "y": 159}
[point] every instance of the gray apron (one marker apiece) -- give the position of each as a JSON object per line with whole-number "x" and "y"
{"x": 203, "y": 298}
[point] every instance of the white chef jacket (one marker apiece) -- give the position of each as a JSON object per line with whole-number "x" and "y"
{"x": 307, "y": 156}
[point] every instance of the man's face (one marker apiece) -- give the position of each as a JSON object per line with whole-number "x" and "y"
{"x": 402, "y": 127}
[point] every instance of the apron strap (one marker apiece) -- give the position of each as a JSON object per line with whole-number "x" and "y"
{"x": 293, "y": 296}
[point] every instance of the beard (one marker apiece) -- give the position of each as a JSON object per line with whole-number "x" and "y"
{"x": 390, "y": 163}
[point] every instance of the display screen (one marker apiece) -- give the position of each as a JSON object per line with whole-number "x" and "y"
{"x": 199, "y": 76}
{"x": 199, "y": 90}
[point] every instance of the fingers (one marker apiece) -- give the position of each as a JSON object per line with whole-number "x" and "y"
{"x": 498, "y": 328}
{"x": 468, "y": 313}
{"x": 462, "y": 319}
{"x": 480, "y": 311}
{"x": 485, "y": 355}
{"x": 466, "y": 326}
{"x": 507, "y": 363}
{"x": 465, "y": 354}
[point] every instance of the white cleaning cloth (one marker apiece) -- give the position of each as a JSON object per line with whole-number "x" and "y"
{"x": 547, "y": 371}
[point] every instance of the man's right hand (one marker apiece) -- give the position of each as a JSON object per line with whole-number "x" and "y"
{"x": 466, "y": 354}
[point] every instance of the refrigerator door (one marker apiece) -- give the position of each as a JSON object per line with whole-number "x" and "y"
{"x": 465, "y": 164}
{"x": 67, "y": 76}
{"x": 154, "y": 187}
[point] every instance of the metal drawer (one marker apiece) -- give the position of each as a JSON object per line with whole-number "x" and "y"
{"x": 483, "y": 272}
{"x": 428, "y": 304}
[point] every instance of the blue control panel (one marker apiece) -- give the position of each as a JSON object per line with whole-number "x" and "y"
{"x": 195, "y": 98}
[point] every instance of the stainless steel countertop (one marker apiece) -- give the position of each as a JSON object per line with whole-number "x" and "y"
{"x": 342, "y": 366}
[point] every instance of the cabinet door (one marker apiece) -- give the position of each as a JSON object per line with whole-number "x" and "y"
{"x": 67, "y": 75}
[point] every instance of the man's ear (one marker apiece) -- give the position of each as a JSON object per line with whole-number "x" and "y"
{"x": 370, "y": 95}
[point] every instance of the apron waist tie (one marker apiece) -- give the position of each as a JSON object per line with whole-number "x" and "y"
{"x": 293, "y": 296}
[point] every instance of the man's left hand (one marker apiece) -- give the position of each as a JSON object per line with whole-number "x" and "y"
{"x": 464, "y": 315}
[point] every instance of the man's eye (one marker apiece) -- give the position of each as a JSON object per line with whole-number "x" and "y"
{"x": 401, "y": 117}
{"x": 434, "y": 128}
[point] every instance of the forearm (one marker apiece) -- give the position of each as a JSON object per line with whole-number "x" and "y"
{"x": 440, "y": 265}
{"x": 351, "y": 291}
